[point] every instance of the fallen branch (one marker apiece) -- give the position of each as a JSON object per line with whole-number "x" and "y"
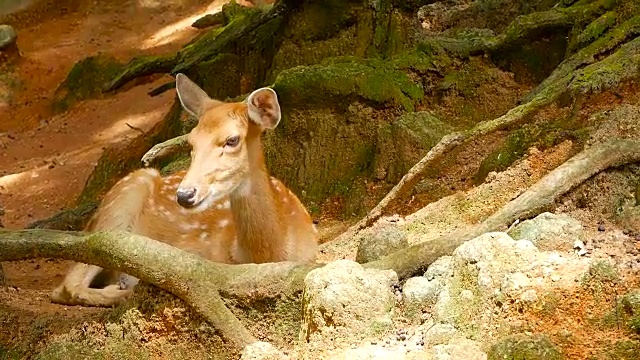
{"x": 536, "y": 199}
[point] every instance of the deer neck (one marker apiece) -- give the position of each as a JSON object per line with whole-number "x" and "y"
{"x": 258, "y": 224}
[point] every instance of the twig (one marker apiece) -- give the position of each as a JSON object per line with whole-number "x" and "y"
{"x": 135, "y": 128}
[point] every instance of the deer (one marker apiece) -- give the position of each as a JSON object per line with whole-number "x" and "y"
{"x": 225, "y": 207}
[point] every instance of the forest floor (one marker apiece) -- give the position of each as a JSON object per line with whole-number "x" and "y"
{"x": 45, "y": 159}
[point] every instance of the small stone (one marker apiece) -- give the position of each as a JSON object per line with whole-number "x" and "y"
{"x": 8, "y": 36}
{"x": 601, "y": 227}
{"x": 578, "y": 245}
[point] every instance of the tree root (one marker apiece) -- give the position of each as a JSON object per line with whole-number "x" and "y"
{"x": 142, "y": 66}
{"x": 536, "y": 199}
{"x": 165, "y": 149}
{"x": 214, "y": 42}
{"x": 200, "y": 283}
{"x": 563, "y": 74}
{"x": 187, "y": 276}
{"x": 210, "y": 20}
{"x": 619, "y": 66}
{"x": 70, "y": 220}
{"x": 524, "y": 27}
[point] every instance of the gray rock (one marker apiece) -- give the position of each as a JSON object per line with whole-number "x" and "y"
{"x": 441, "y": 268}
{"x": 378, "y": 241}
{"x": 439, "y": 334}
{"x": 373, "y": 352}
{"x": 261, "y": 351}
{"x": 8, "y": 36}
{"x": 419, "y": 290}
{"x": 484, "y": 248}
{"x": 462, "y": 349}
{"x": 342, "y": 296}
{"x": 549, "y": 231}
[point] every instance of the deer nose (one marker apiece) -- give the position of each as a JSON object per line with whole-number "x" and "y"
{"x": 186, "y": 197}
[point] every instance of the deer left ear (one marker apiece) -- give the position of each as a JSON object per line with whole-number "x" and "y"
{"x": 264, "y": 108}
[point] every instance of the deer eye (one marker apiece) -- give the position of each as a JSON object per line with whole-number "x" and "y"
{"x": 232, "y": 141}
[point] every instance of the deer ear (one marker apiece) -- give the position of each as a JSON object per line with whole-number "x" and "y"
{"x": 193, "y": 99}
{"x": 264, "y": 108}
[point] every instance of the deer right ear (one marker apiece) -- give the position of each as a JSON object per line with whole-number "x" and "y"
{"x": 193, "y": 99}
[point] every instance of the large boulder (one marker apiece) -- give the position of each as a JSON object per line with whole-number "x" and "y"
{"x": 549, "y": 231}
{"x": 346, "y": 299}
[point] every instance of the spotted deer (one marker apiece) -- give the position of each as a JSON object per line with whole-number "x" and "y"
{"x": 225, "y": 207}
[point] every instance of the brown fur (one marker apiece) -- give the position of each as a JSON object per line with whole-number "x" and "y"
{"x": 255, "y": 218}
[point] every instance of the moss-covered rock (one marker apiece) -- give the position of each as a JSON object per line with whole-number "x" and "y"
{"x": 86, "y": 79}
{"x": 524, "y": 347}
{"x": 346, "y": 78}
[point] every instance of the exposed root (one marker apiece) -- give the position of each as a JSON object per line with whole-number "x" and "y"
{"x": 165, "y": 149}
{"x": 185, "y": 275}
{"x": 210, "y": 44}
{"x": 524, "y": 27}
{"x": 142, "y": 66}
{"x": 197, "y": 281}
{"x": 535, "y": 200}
{"x": 622, "y": 65}
{"x": 70, "y": 220}
{"x": 210, "y": 20}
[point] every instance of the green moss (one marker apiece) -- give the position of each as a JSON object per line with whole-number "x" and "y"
{"x": 181, "y": 163}
{"x": 464, "y": 42}
{"x": 621, "y": 350}
{"x": 622, "y": 65}
{"x": 596, "y": 28}
{"x": 85, "y": 80}
{"x": 524, "y": 347}
{"x": 10, "y": 354}
{"x": 343, "y": 78}
{"x": 600, "y": 272}
{"x": 291, "y": 54}
{"x": 542, "y": 135}
{"x": 320, "y": 20}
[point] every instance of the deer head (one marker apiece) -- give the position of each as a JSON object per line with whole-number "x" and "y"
{"x": 225, "y": 140}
